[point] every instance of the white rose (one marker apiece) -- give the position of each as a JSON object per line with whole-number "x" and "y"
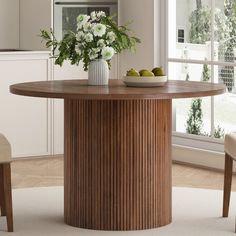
{"x": 87, "y": 26}
{"x": 80, "y": 36}
{"x": 101, "y": 43}
{"x": 78, "y": 50}
{"x": 96, "y": 50}
{"x": 111, "y": 37}
{"x": 107, "y": 53}
{"x": 92, "y": 55}
{"x": 82, "y": 20}
{"x": 101, "y": 14}
{"x": 99, "y": 30}
{"x": 93, "y": 15}
{"x": 88, "y": 38}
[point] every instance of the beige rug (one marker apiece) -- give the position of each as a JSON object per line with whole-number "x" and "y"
{"x": 196, "y": 212}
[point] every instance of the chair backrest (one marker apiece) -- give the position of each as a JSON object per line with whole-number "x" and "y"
{"x": 5, "y": 149}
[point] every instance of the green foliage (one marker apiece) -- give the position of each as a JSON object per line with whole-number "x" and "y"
{"x": 206, "y": 73}
{"x": 200, "y": 25}
{"x": 230, "y": 13}
{"x": 219, "y": 132}
{"x": 75, "y": 49}
{"x": 194, "y": 121}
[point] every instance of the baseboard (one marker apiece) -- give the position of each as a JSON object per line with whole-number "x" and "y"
{"x": 30, "y": 158}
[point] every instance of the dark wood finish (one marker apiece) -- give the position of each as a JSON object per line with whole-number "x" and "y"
{"x": 78, "y": 89}
{"x": 2, "y": 197}
{"x": 6, "y": 194}
{"x": 228, "y": 172}
{"x": 117, "y": 150}
{"x": 118, "y": 164}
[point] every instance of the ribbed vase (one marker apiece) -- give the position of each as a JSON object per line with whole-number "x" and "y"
{"x": 98, "y": 73}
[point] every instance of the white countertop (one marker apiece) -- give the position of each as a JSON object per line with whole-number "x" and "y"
{"x": 21, "y": 55}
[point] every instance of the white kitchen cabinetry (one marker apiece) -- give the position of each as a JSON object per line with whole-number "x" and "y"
{"x": 24, "y": 120}
{"x": 66, "y": 72}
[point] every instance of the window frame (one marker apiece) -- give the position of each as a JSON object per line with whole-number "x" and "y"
{"x": 184, "y": 139}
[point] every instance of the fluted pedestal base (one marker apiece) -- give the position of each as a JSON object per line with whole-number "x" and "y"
{"x": 118, "y": 164}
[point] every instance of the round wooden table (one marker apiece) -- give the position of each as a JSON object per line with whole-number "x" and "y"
{"x": 117, "y": 150}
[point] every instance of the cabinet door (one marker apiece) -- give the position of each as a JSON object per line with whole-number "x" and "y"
{"x": 69, "y": 72}
{"x": 66, "y": 72}
{"x": 24, "y": 120}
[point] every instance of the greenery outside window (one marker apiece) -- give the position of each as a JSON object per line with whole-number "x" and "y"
{"x": 206, "y": 53}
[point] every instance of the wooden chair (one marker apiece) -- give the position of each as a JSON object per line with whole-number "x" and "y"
{"x": 230, "y": 156}
{"x": 5, "y": 182}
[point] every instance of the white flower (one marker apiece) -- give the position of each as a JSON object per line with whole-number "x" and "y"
{"x": 78, "y": 50}
{"x": 99, "y": 30}
{"x": 101, "y": 14}
{"x": 87, "y": 26}
{"x": 88, "y": 38}
{"x": 96, "y": 16}
{"x": 93, "y": 55}
{"x": 107, "y": 53}
{"x": 93, "y": 15}
{"x": 96, "y": 50}
{"x": 101, "y": 43}
{"x": 80, "y": 36}
{"x": 82, "y": 20}
{"x": 111, "y": 37}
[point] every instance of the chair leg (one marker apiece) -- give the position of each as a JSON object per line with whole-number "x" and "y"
{"x": 8, "y": 195}
{"x": 2, "y": 198}
{"x": 227, "y": 184}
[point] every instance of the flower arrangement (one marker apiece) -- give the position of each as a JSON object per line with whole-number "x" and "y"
{"x": 97, "y": 37}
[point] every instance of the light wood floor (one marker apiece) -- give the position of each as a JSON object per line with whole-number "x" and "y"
{"x": 49, "y": 172}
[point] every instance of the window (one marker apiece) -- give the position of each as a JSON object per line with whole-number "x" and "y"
{"x": 202, "y": 47}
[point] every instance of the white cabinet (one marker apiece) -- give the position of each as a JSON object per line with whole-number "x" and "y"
{"x": 66, "y": 72}
{"x": 24, "y": 120}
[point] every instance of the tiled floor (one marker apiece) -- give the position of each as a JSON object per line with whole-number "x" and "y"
{"x": 49, "y": 172}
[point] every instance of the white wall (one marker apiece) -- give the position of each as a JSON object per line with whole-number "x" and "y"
{"x": 34, "y": 15}
{"x": 9, "y": 24}
{"x": 141, "y": 13}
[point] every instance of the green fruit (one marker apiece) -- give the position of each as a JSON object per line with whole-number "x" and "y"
{"x": 147, "y": 73}
{"x": 132, "y": 72}
{"x": 142, "y": 71}
{"x": 158, "y": 71}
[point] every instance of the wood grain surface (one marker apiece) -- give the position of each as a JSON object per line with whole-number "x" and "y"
{"x": 117, "y": 90}
{"x": 117, "y": 164}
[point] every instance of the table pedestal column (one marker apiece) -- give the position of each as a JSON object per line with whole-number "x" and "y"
{"x": 118, "y": 164}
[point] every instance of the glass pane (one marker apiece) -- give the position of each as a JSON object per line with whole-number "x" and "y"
{"x": 190, "y": 29}
{"x": 225, "y": 30}
{"x": 70, "y": 14}
{"x": 191, "y": 72}
{"x": 225, "y": 107}
{"x": 191, "y": 116}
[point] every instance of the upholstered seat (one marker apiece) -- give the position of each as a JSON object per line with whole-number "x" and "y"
{"x": 230, "y": 145}
{"x": 5, "y": 149}
{"x": 5, "y": 182}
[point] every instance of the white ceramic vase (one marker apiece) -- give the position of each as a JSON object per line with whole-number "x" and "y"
{"x": 98, "y": 72}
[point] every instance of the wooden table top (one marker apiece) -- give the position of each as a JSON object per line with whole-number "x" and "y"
{"x": 117, "y": 90}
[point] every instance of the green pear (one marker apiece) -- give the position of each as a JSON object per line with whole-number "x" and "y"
{"x": 147, "y": 73}
{"x": 132, "y": 72}
{"x": 158, "y": 71}
{"x": 142, "y": 71}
